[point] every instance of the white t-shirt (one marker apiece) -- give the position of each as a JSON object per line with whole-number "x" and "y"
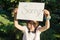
{"x": 31, "y": 36}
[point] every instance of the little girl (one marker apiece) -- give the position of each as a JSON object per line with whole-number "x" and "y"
{"x": 33, "y": 30}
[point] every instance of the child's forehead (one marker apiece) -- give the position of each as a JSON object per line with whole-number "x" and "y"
{"x": 33, "y": 22}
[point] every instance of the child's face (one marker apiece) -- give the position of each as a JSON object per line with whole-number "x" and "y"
{"x": 32, "y": 24}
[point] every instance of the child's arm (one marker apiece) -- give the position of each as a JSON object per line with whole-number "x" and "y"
{"x": 16, "y": 21}
{"x": 47, "y": 23}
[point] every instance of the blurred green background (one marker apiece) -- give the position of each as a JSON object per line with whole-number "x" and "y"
{"x": 9, "y": 32}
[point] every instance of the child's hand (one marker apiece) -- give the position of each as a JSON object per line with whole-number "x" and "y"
{"x": 14, "y": 12}
{"x": 46, "y": 13}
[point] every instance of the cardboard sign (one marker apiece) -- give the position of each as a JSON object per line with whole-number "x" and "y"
{"x": 30, "y": 11}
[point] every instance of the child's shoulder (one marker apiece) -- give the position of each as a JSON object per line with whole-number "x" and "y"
{"x": 39, "y": 26}
{"x": 25, "y": 27}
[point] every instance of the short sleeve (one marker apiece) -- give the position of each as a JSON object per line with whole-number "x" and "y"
{"x": 25, "y": 29}
{"x": 38, "y": 27}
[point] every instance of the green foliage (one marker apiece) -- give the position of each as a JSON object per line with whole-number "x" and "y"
{"x": 48, "y": 35}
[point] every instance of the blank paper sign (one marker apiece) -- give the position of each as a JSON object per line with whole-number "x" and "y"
{"x": 30, "y": 11}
